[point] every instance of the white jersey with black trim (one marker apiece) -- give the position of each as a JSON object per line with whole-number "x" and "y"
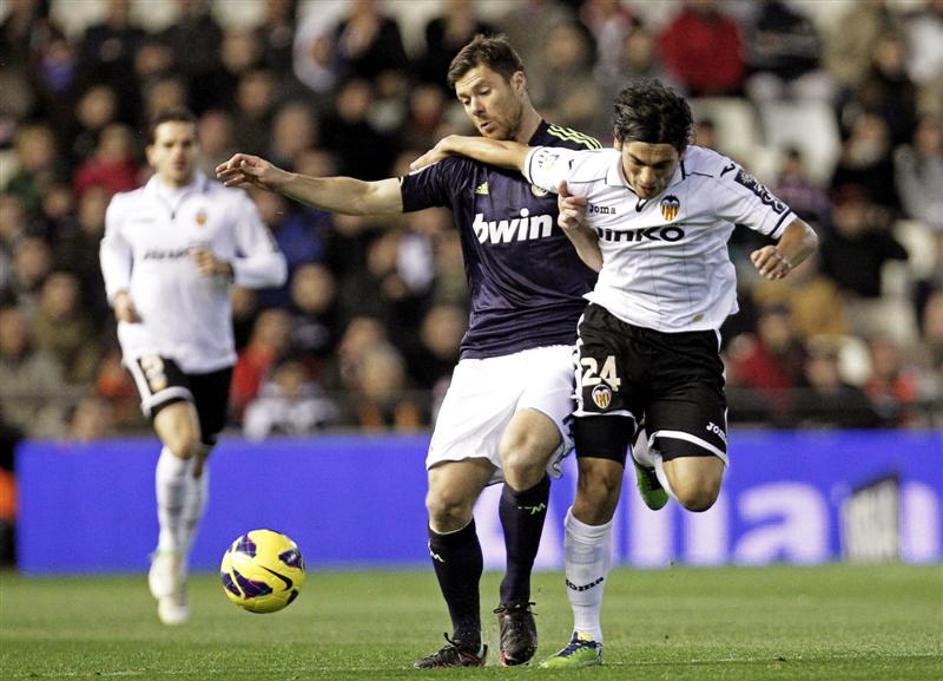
{"x": 186, "y": 316}
{"x": 665, "y": 260}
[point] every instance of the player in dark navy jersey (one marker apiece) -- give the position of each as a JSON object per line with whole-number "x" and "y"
{"x": 505, "y": 417}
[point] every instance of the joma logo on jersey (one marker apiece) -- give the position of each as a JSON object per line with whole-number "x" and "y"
{"x": 600, "y": 210}
{"x": 670, "y": 233}
{"x": 523, "y": 228}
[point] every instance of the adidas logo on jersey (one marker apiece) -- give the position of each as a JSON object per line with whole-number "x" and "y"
{"x": 482, "y": 189}
{"x": 523, "y": 228}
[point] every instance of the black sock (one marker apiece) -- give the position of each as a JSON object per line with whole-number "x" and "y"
{"x": 458, "y": 564}
{"x": 522, "y": 517}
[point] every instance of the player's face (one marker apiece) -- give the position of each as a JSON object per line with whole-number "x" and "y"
{"x": 648, "y": 168}
{"x": 173, "y": 154}
{"x": 495, "y": 105}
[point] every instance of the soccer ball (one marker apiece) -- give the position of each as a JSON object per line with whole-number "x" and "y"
{"x": 262, "y": 571}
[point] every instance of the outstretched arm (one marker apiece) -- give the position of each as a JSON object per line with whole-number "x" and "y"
{"x": 336, "y": 194}
{"x": 499, "y": 153}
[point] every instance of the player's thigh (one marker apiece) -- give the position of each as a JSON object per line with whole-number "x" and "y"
{"x": 610, "y": 386}
{"x": 211, "y": 399}
{"x": 178, "y": 427}
{"x": 540, "y": 433}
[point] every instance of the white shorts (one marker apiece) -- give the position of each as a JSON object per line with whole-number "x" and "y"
{"x": 485, "y": 394}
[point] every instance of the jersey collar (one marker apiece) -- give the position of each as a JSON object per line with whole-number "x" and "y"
{"x": 198, "y": 184}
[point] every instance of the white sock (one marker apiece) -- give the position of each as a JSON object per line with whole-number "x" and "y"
{"x": 171, "y": 482}
{"x": 641, "y": 452}
{"x": 661, "y": 475}
{"x": 588, "y": 550}
{"x": 194, "y": 501}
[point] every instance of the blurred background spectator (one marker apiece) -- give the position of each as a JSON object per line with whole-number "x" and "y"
{"x": 835, "y": 105}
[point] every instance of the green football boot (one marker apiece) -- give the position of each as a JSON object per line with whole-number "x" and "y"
{"x": 581, "y": 651}
{"x": 653, "y": 494}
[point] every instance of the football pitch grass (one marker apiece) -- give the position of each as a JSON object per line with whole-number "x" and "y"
{"x": 834, "y": 623}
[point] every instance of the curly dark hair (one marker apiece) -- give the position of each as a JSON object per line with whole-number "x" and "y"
{"x": 648, "y": 111}
{"x": 493, "y": 51}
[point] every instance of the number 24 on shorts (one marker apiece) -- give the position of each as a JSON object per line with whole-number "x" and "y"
{"x": 592, "y": 375}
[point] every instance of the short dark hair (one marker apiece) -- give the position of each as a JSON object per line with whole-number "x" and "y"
{"x": 493, "y": 51}
{"x": 648, "y": 111}
{"x": 168, "y": 116}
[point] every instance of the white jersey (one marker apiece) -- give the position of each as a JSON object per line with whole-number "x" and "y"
{"x": 186, "y": 316}
{"x": 665, "y": 260}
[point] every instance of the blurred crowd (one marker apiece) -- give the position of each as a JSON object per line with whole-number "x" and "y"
{"x": 837, "y": 106}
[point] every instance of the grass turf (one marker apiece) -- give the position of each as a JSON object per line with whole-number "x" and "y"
{"x": 835, "y": 623}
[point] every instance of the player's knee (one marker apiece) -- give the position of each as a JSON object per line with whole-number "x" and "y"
{"x": 448, "y": 510}
{"x": 184, "y": 447}
{"x": 523, "y": 467}
{"x": 696, "y": 490}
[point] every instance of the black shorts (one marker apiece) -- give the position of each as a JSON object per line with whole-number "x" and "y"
{"x": 161, "y": 382}
{"x": 670, "y": 383}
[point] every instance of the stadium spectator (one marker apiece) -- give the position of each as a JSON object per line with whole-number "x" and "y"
{"x": 314, "y": 315}
{"x": 769, "y": 363}
{"x": 255, "y": 108}
{"x": 783, "y": 51}
{"x": 828, "y": 401}
{"x": 855, "y": 250}
{"x": 294, "y": 130}
{"x": 61, "y": 329}
{"x": 32, "y": 263}
{"x": 866, "y": 161}
{"x": 106, "y": 55}
{"x": 850, "y": 42}
{"x": 30, "y": 380}
{"x": 115, "y": 387}
{"x": 270, "y": 340}
{"x": 170, "y": 252}
{"x": 610, "y": 22}
{"x": 887, "y": 90}
{"x": 76, "y": 249}
{"x": 95, "y": 110}
{"x": 360, "y": 149}
{"x": 703, "y": 49}
{"x": 893, "y": 386}
{"x": 528, "y": 23}
{"x": 368, "y": 42}
{"x": 289, "y": 403}
{"x": 918, "y": 173}
{"x": 924, "y": 31}
{"x": 445, "y": 35}
{"x": 276, "y": 34}
{"x": 424, "y": 118}
{"x": 38, "y": 164}
{"x": 112, "y": 165}
{"x": 803, "y": 195}
{"x": 433, "y": 357}
{"x": 90, "y": 421}
{"x": 195, "y": 40}
{"x": 215, "y": 128}
{"x": 381, "y": 396}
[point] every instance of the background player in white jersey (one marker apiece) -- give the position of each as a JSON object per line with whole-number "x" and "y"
{"x": 658, "y": 216}
{"x": 170, "y": 252}
{"x": 506, "y": 412}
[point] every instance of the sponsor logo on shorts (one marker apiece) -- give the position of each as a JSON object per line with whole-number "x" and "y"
{"x": 670, "y": 205}
{"x": 602, "y": 396}
{"x": 716, "y": 430}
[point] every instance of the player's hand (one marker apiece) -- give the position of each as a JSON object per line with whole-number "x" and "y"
{"x": 125, "y": 310}
{"x": 245, "y": 169}
{"x": 572, "y": 208}
{"x": 440, "y": 151}
{"x": 208, "y": 264}
{"x": 770, "y": 262}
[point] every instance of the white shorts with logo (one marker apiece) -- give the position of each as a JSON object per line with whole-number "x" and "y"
{"x": 485, "y": 394}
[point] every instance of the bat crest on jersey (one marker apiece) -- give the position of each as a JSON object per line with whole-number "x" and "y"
{"x": 602, "y": 396}
{"x": 670, "y": 205}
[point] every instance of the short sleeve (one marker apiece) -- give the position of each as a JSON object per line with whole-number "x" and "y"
{"x": 547, "y": 167}
{"x": 742, "y": 199}
{"x": 434, "y": 185}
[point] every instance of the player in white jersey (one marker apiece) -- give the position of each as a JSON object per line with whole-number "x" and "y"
{"x": 653, "y": 215}
{"x": 170, "y": 252}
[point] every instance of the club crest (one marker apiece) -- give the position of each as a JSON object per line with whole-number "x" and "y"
{"x": 200, "y": 218}
{"x": 670, "y": 205}
{"x": 538, "y": 191}
{"x": 602, "y": 396}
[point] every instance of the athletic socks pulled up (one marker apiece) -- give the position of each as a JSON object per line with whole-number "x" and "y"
{"x": 588, "y": 550}
{"x": 456, "y": 558}
{"x": 522, "y": 518}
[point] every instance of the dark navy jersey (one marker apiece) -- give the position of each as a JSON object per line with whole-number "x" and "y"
{"x": 525, "y": 279}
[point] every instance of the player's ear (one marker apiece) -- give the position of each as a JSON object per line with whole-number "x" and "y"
{"x": 519, "y": 82}
{"x": 616, "y": 142}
